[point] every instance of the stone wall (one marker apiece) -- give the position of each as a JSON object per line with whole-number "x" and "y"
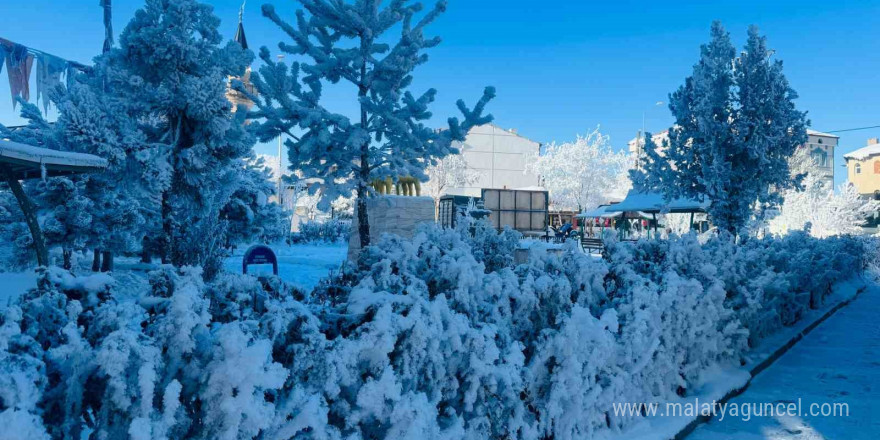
{"x": 391, "y": 215}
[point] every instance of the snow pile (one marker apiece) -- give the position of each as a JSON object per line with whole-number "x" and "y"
{"x": 441, "y": 336}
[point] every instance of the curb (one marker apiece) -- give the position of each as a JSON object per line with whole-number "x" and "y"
{"x": 754, "y": 371}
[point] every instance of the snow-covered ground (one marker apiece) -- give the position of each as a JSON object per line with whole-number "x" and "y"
{"x": 839, "y": 362}
{"x": 302, "y": 265}
{"x": 14, "y": 284}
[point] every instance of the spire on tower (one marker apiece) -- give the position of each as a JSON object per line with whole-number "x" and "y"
{"x": 239, "y": 33}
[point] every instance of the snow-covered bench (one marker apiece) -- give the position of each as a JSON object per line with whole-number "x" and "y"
{"x": 592, "y": 244}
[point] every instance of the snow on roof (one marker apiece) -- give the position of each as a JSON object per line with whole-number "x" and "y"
{"x": 812, "y": 132}
{"x": 601, "y": 211}
{"x": 655, "y": 203}
{"x": 863, "y": 153}
{"x": 531, "y": 188}
{"x": 29, "y": 161}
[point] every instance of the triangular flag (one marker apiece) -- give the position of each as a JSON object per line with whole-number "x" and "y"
{"x": 49, "y": 71}
{"x": 18, "y": 65}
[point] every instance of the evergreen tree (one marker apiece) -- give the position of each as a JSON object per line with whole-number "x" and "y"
{"x": 249, "y": 214}
{"x": 736, "y": 126}
{"x": 155, "y": 108}
{"x": 67, "y": 214}
{"x": 96, "y": 118}
{"x": 341, "y": 41}
{"x": 172, "y": 63}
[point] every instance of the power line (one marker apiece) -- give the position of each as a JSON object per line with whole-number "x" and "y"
{"x": 852, "y": 129}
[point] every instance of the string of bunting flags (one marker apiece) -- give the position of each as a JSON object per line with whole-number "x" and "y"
{"x": 50, "y": 69}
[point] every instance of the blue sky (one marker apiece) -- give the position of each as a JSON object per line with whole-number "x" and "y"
{"x": 562, "y": 67}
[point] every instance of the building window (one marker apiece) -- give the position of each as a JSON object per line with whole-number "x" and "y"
{"x": 858, "y": 168}
{"x": 820, "y": 157}
{"x": 877, "y": 167}
{"x": 820, "y": 141}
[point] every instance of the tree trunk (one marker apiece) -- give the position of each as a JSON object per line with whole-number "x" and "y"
{"x": 146, "y": 257}
{"x": 96, "y": 260}
{"x": 30, "y": 216}
{"x": 107, "y": 264}
{"x": 363, "y": 220}
{"x": 165, "y": 241}
{"x": 67, "y": 254}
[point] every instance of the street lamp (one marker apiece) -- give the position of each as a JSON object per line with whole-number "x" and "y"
{"x": 643, "y": 141}
{"x": 644, "y": 112}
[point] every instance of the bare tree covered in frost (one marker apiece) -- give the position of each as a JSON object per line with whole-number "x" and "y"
{"x": 450, "y": 172}
{"x": 735, "y": 128}
{"x": 345, "y": 42}
{"x": 816, "y": 204}
{"x": 582, "y": 174}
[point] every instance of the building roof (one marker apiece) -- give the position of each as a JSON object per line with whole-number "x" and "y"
{"x": 655, "y": 203}
{"x": 239, "y": 33}
{"x": 239, "y": 36}
{"x": 863, "y": 153}
{"x": 28, "y": 161}
{"x": 812, "y": 132}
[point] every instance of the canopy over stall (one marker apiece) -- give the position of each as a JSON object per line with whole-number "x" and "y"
{"x": 21, "y": 162}
{"x": 654, "y": 203}
{"x": 606, "y": 217}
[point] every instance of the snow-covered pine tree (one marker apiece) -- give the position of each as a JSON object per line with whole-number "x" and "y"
{"x": 584, "y": 173}
{"x": 66, "y": 215}
{"x": 171, "y": 63}
{"x": 249, "y": 214}
{"x": 342, "y": 41}
{"x": 97, "y": 118}
{"x": 735, "y": 128}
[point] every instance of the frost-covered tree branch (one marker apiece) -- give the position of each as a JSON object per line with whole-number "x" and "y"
{"x": 815, "y": 206}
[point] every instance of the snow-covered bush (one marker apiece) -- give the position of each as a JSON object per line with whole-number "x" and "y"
{"x": 330, "y": 231}
{"x": 440, "y": 336}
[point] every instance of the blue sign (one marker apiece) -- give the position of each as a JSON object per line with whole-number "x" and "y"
{"x": 259, "y": 254}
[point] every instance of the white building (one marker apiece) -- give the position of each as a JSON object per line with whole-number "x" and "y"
{"x": 821, "y": 147}
{"x": 636, "y": 145}
{"x": 499, "y": 157}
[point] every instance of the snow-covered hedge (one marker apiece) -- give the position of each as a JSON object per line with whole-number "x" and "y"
{"x": 440, "y": 336}
{"x": 331, "y": 231}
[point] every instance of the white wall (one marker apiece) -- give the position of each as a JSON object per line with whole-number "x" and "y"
{"x": 399, "y": 215}
{"x": 499, "y": 157}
